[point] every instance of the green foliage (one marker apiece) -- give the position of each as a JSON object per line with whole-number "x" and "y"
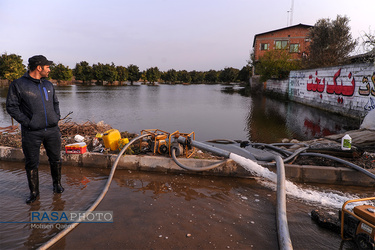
{"x": 83, "y": 72}
{"x": 153, "y": 74}
{"x": 245, "y": 74}
{"x": 11, "y": 67}
{"x": 196, "y": 76}
{"x": 228, "y": 75}
{"x": 134, "y": 73}
{"x": 276, "y": 64}
{"x": 61, "y": 73}
{"x": 170, "y": 76}
{"x": 331, "y": 42}
{"x": 122, "y": 73}
{"x": 183, "y": 76}
{"x": 104, "y": 72}
{"x": 211, "y": 76}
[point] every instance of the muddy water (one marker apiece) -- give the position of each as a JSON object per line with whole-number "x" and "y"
{"x": 159, "y": 211}
{"x": 208, "y": 110}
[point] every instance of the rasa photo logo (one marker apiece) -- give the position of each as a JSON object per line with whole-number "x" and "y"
{"x": 71, "y": 217}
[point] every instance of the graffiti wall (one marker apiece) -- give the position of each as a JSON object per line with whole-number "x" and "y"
{"x": 347, "y": 90}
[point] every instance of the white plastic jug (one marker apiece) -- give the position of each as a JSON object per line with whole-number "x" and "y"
{"x": 346, "y": 142}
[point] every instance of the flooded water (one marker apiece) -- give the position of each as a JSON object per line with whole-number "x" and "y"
{"x": 160, "y": 211}
{"x": 208, "y": 110}
{"x": 163, "y": 211}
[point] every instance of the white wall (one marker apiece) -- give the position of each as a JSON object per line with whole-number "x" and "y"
{"x": 348, "y": 89}
{"x": 279, "y": 87}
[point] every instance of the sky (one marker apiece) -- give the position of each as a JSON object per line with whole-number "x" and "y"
{"x": 169, "y": 34}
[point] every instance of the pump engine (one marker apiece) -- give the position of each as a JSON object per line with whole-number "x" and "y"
{"x": 359, "y": 224}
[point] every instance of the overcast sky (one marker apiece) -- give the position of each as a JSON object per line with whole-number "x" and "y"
{"x": 191, "y": 35}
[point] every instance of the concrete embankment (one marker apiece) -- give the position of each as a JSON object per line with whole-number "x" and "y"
{"x": 295, "y": 173}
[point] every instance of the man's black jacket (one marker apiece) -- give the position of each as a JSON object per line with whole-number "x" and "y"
{"x": 33, "y": 103}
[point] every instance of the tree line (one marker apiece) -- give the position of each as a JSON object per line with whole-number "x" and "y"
{"x": 11, "y": 68}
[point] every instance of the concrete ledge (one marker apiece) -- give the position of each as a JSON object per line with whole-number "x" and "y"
{"x": 295, "y": 173}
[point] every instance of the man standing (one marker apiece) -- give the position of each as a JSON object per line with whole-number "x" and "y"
{"x": 32, "y": 102}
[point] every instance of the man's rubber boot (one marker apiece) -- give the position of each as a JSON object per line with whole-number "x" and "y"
{"x": 56, "y": 177}
{"x": 33, "y": 179}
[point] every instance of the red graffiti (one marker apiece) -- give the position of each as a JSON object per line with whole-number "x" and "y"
{"x": 339, "y": 88}
{"x": 321, "y": 87}
{"x": 311, "y": 86}
{"x": 315, "y": 129}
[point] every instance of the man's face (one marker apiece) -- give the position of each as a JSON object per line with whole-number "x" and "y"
{"x": 44, "y": 70}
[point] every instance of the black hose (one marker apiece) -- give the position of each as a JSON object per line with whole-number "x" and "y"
{"x": 270, "y": 146}
{"x": 212, "y": 166}
{"x": 299, "y": 152}
{"x": 356, "y": 167}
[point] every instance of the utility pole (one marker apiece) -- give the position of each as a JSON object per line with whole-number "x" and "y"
{"x": 291, "y": 14}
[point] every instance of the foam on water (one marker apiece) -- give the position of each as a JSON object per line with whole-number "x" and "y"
{"x": 328, "y": 199}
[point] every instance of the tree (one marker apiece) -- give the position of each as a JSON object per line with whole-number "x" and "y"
{"x": 133, "y": 72}
{"x": 196, "y": 76}
{"x": 170, "y": 76}
{"x": 276, "y": 64}
{"x": 122, "y": 74}
{"x": 61, "y": 73}
{"x": 228, "y": 75}
{"x": 11, "y": 67}
{"x": 245, "y": 73}
{"x": 368, "y": 44}
{"x": 183, "y": 76}
{"x": 211, "y": 76}
{"x": 153, "y": 75}
{"x": 104, "y": 72}
{"x": 143, "y": 77}
{"x": 83, "y": 72}
{"x": 331, "y": 42}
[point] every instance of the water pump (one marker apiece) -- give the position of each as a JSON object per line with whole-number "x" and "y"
{"x": 359, "y": 224}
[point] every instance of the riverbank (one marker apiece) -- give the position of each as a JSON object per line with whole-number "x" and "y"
{"x": 303, "y": 169}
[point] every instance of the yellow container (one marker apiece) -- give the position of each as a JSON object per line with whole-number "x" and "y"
{"x": 111, "y": 138}
{"x": 122, "y": 143}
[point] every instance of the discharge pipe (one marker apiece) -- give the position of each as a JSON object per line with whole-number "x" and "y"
{"x": 284, "y": 240}
{"x": 302, "y": 153}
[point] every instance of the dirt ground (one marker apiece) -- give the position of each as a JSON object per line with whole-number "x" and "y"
{"x": 11, "y": 136}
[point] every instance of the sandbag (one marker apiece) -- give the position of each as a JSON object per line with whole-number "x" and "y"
{"x": 369, "y": 121}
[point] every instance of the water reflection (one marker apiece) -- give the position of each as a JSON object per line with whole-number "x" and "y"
{"x": 211, "y": 111}
{"x": 271, "y": 120}
{"x": 230, "y": 211}
{"x": 186, "y": 187}
{"x": 17, "y": 232}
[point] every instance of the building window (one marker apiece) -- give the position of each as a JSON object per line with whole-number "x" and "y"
{"x": 281, "y": 44}
{"x": 294, "y": 48}
{"x": 264, "y": 46}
